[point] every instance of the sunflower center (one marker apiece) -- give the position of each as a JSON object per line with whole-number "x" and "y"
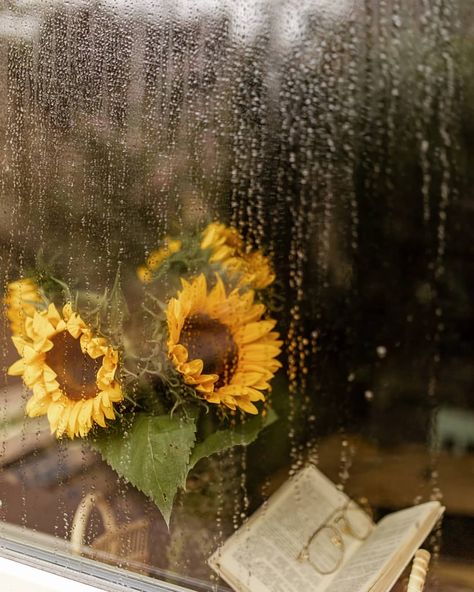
{"x": 212, "y": 342}
{"x": 76, "y": 371}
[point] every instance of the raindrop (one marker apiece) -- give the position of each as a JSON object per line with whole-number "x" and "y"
{"x": 369, "y": 395}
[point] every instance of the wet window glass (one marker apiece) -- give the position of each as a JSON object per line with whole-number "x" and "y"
{"x": 235, "y": 243}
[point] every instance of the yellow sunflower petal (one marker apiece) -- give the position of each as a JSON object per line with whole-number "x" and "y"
{"x": 98, "y": 416}
{"x": 204, "y": 382}
{"x": 30, "y": 355}
{"x": 194, "y": 367}
{"x": 206, "y": 386}
{"x": 144, "y": 274}
{"x": 174, "y": 319}
{"x": 93, "y": 346}
{"x": 39, "y": 390}
{"x": 230, "y": 402}
{"x": 17, "y": 368}
{"x": 43, "y": 345}
{"x": 213, "y": 397}
{"x": 21, "y": 302}
{"x": 259, "y": 352}
{"x": 105, "y": 377}
{"x": 246, "y": 405}
{"x": 115, "y": 393}
{"x": 53, "y": 315}
{"x": 221, "y": 253}
{"x": 84, "y": 415}
{"x": 54, "y": 413}
{"x": 254, "y": 331}
{"x": 75, "y": 325}
{"x": 108, "y": 412}
{"x": 248, "y": 379}
{"x": 73, "y": 415}
{"x": 63, "y": 422}
{"x": 31, "y": 374}
{"x": 174, "y": 246}
{"x": 179, "y": 354}
{"x": 156, "y": 258}
{"x": 210, "y": 235}
{"x": 67, "y": 311}
{"x": 19, "y": 343}
{"x": 36, "y": 408}
{"x": 42, "y": 326}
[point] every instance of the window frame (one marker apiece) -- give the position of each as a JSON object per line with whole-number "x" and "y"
{"x": 40, "y": 552}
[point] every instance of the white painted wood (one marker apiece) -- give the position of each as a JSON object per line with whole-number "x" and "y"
{"x": 18, "y": 577}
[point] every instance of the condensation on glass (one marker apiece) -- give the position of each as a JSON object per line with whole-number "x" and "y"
{"x": 336, "y": 137}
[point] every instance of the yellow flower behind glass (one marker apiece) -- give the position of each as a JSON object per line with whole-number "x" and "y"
{"x": 220, "y": 344}
{"x": 70, "y": 371}
{"x": 157, "y": 258}
{"x": 20, "y": 303}
{"x": 227, "y": 249}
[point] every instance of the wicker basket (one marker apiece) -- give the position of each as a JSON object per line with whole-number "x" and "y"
{"x": 128, "y": 541}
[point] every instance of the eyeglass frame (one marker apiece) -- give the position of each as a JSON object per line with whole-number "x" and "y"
{"x": 304, "y": 555}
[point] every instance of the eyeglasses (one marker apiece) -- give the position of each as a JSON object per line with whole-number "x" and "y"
{"x": 325, "y": 548}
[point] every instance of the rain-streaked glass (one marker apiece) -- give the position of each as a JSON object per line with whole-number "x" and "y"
{"x": 333, "y": 142}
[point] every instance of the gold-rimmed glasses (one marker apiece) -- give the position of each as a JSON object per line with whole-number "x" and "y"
{"x": 325, "y": 548}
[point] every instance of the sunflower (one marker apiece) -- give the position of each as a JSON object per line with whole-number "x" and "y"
{"x": 221, "y": 345}
{"x": 70, "y": 371}
{"x": 227, "y": 249}
{"x": 20, "y": 303}
{"x": 157, "y": 258}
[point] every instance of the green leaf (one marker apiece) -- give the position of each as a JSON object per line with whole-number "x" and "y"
{"x": 244, "y": 434}
{"x": 153, "y": 455}
{"x": 116, "y": 311}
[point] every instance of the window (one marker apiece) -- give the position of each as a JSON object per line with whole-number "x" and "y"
{"x": 306, "y": 169}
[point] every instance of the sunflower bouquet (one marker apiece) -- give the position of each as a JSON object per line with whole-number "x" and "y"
{"x": 158, "y": 385}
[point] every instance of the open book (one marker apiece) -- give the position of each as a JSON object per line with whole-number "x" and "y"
{"x": 310, "y": 537}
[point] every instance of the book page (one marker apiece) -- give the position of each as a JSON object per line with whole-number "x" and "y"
{"x": 263, "y": 555}
{"x": 394, "y": 532}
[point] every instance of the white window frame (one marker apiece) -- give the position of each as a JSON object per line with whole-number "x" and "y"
{"x": 31, "y": 560}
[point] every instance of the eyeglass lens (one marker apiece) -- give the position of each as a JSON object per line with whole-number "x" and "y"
{"x": 358, "y": 522}
{"x": 326, "y": 550}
